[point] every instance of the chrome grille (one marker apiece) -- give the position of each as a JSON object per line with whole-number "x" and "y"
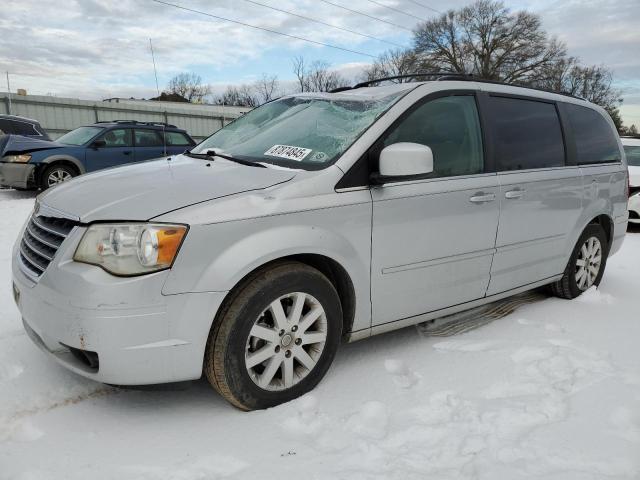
{"x": 40, "y": 242}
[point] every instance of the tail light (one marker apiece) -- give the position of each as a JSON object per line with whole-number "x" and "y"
{"x": 628, "y": 184}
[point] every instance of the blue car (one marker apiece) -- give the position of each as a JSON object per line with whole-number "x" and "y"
{"x": 27, "y": 163}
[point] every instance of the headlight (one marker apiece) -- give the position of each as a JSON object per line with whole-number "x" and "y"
{"x": 24, "y": 158}
{"x": 130, "y": 248}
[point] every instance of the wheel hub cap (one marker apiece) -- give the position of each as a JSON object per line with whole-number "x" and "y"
{"x": 286, "y": 341}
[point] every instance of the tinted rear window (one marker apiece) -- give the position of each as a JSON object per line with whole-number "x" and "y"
{"x": 527, "y": 134}
{"x": 595, "y": 139}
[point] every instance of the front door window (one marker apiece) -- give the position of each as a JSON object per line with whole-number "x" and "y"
{"x": 451, "y": 128}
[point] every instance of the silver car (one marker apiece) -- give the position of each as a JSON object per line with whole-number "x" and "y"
{"x": 318, "y": 218}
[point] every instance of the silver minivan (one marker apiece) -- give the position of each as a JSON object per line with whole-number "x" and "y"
{"x": 316, "y": 218}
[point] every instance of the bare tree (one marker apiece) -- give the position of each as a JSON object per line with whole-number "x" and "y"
{"x": 489, "y": 41}
{"x": 322, "y": 79}
{"x": 267, "y": 88}
{"x": 393, "y": 63}
{"x": 238, "y": 96}
{"x": 593, "y": 83}
{"x": 317, "y": 77}
{"x": 300, "y": 71}
{"x": 189, "y": 86}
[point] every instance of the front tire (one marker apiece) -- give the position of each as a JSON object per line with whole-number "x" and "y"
{"x": 56, "y": 174}
{"x": 275, "y": 338}
{"x": 586, "y": 264}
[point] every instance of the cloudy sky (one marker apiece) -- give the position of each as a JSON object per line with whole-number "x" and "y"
{"x": 100, "y": 48}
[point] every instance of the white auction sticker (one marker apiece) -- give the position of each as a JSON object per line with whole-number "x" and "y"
{"x": 288, "y": 152}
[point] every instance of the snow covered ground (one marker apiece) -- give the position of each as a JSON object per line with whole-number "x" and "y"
{"x": 551, "y": 391}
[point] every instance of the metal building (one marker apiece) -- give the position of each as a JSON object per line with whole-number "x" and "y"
{"x": 59, "y": 115}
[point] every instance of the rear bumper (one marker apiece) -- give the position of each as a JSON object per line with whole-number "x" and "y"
{"x": 16, "y": 175}
{"x": 634, "y": 208}
{"x": 138, "y": 335}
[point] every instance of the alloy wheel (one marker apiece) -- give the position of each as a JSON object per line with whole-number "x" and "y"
{"x": 58, "y": 176}
{"x": 588, "y": 263}
{"x": 286, "y": 341}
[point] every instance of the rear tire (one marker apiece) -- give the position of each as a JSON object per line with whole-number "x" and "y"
{"x": 586, "y": 264}
{"x": 275, "y": 338}
{"x": 56, "y": 174}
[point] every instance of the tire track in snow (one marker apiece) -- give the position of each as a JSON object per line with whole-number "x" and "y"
{"x": 18, "y": 426}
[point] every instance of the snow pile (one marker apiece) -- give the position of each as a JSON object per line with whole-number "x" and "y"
{"x": 551, "y": 391}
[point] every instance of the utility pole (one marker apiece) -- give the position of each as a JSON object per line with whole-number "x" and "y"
{"x": 155, "y": 72}
{"x": 9, "y": 92}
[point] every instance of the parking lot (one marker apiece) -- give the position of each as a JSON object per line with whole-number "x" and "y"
{"x": 552, "y": 390}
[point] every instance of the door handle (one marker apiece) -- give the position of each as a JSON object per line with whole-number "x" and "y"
{"x": 514, "y": 194}
{"x": 483, "y": 197}
{"x": 128, "y": 152}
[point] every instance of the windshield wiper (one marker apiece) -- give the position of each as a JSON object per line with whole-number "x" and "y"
{"x": 210, "y": 154}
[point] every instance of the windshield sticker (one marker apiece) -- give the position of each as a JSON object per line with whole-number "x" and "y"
{"x": 288, "y": 152}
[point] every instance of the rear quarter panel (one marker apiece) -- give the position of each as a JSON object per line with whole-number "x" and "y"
{"x": 604, "y": 193}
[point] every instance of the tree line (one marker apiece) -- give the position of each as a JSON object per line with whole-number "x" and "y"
{"x": 485, "y": 39}
{"x": 316, "y": 76}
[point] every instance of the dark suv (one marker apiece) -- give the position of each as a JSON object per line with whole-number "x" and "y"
{"x": 28, "y": 164}
{"x": 14, "y": 125}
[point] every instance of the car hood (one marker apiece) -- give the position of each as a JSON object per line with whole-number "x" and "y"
{"x": 15, "y": 144}
{"x": 145, "y": 190}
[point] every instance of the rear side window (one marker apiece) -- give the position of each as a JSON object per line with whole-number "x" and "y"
{"x": 177, "y": 139}
{"x": 451, "y": 128}
{"x": 148, "y": 138}
{"x": 527, "y": 134}
{"x": 595, "y": 140}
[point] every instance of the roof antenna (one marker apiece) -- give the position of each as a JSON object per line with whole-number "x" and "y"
{"x": 155, "y": 72}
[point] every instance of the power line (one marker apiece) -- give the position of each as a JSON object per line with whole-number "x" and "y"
{"x": 366, "y": 15}
{"x": 397, "y": 10}
{"x": 425, "y": 6}
{"x": 325, "y": 23}
{"x": 237, "y": 22}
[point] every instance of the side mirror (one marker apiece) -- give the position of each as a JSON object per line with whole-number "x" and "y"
{"x": 404, "y": 160}
{"x": 99, "y": 144}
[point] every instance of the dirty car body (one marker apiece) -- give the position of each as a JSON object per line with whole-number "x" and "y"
{"x": 390, "y": 250}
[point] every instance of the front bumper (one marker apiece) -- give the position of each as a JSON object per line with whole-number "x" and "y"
{"x": 139, "y": 335}
{"x": 634, "y": 208}
{"x": 16, "y": 175}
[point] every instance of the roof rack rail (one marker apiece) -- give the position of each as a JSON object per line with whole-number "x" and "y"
{"x": 437, "y": 75}
{"x": 450, "y": 76}
{"x": 136, "y": 122}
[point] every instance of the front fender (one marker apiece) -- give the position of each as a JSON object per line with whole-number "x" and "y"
{"x": 216, "y": 257}
{"x": 63, "y": 157}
